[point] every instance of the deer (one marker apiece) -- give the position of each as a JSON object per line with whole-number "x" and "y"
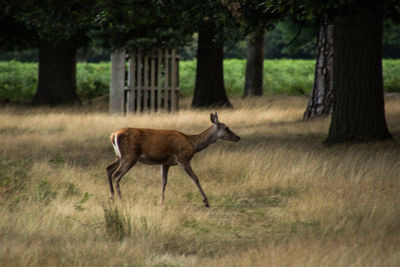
{"x": 162, "y": 147}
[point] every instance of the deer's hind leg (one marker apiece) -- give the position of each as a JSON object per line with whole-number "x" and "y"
{"x": 164, "y": 179}
{"x": 110, "y": 170}
{"x": 124, "y": 166}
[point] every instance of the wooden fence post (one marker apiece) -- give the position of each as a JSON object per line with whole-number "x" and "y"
{"x": 117, "y": 83}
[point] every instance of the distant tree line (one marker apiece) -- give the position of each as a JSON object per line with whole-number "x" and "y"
{"x": 275, "y": 45}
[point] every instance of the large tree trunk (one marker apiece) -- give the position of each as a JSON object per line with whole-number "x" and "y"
{"x": 209, "y": 88}
{"x": 254, "y": 64}
{"x": 57, "y": 75}
{"x": 321, "y": 98}
{"x": 358, "y": 110}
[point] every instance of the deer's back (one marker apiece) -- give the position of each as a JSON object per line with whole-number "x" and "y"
{"x": 155, "y": 144}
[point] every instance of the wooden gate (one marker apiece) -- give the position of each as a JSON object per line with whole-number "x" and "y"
{"x": 144, "y": 81}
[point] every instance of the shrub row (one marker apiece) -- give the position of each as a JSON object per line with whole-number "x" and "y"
{"x": 18, "y": 81}
{"x": 284, "y": 76}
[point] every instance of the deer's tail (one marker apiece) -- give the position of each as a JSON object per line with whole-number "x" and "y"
{"x": 114, "y": 142}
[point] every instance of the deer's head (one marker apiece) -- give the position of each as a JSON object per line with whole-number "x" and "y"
{"x": 222, "y": 131}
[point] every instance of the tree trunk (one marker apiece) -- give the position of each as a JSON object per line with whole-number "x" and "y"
{"x": 209, "y": 88}
{"x": 254, "y": 64}
{"x": 57, "y": 75}
{"x": 358, "y": 110}
{"x": 321, "y": 98}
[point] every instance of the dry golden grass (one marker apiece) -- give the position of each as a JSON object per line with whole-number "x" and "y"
{"x": 278, "y": 197}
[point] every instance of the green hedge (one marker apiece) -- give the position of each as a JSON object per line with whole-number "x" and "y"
{"x": 18, "y": 80}
{"x": 284, "y": 76}
{"x": 391, "y": 75}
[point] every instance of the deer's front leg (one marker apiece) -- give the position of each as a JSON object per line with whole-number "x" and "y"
{"x": 188, "y": 169}
{"x": 164, "y": 179}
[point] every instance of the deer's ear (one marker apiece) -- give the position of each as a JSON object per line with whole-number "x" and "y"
{"x": 214, "y": 118}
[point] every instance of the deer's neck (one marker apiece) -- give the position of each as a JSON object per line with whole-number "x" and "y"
{"x": 203, "y": 140}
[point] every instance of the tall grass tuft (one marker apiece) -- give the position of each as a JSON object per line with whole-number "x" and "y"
{"x": 117, "y": 225}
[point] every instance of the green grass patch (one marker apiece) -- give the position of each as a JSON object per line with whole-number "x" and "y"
{"x": 44, "y": 192}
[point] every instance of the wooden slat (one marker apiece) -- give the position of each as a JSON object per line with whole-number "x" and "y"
{"x": 176, "y": 89}
{"x": 159, "y": 85}
{"x": 139, "y": 82}
{"x": 152, "y": 83}
{"x": 146, "y": 82}
{"x": 166, "y": 79}
{"x": 117, "y": 82}
{"x": 132, "y": 85}
{"x": 173, "y": 80}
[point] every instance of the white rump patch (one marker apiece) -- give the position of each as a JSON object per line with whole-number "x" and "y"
{"x": 116, "y": 148}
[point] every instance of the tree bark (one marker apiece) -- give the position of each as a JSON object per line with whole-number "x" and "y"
{"x": 358, "y": 110}
{"x": 321, "y": 98}
{"x": 209, "y": 88}
{"x": 254, "y": 64}
{"x": 57, "y": 75}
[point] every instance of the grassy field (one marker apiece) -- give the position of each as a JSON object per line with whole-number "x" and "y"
{"x": 278, "y": 197}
